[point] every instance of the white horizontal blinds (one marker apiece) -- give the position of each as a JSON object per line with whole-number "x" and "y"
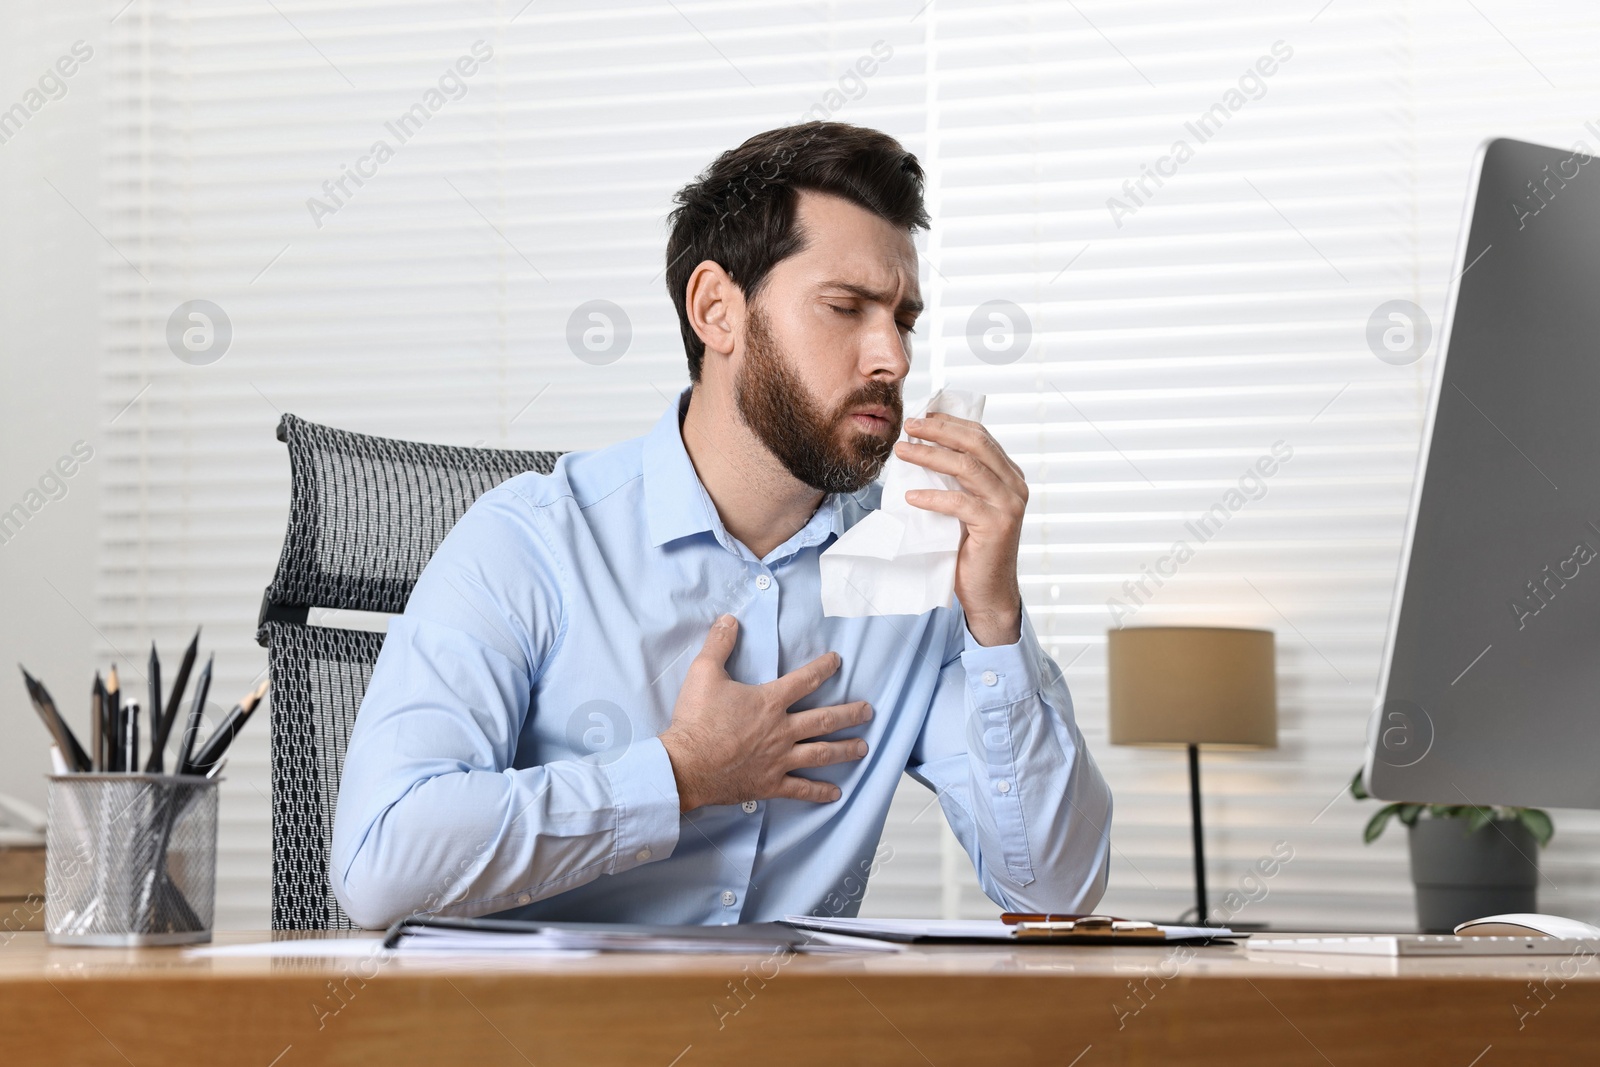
{"x": 1173, "y": 352}
{"x": 1226, "y": 313}
{"x": 432, "y": 302}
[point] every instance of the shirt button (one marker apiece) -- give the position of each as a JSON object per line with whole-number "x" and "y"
{"x": 526, "y": 898}
{"x": 1003, "y": 786}
{"x": 763, "y": 582}
{"x": 728, "y": 898}
{"x": 990, "y": 678}
{"x": 749, "y": 807}
{"x": 642, "y": 855}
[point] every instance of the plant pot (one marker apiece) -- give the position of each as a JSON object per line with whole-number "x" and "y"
{"x": 1462, "y": 875}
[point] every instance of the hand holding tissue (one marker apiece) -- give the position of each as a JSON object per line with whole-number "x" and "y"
{"x": 900, "y": 560}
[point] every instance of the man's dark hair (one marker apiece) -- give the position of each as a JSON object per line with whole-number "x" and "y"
{"x": 740, "y": 213}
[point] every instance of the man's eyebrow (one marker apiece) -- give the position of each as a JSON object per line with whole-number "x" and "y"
{"x": 877, "y": 296}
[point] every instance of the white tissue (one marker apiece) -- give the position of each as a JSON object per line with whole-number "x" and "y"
{"x": 900, "y": 559}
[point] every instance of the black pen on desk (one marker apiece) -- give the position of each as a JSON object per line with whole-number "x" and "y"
{"x": 160, "y": 733}
{"x": 205, "y": 760}
{"x": 114, "y": 703}
{"x": 196, "y": 709}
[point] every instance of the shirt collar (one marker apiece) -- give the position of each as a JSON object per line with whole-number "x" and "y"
{"x": 677, "y": 504}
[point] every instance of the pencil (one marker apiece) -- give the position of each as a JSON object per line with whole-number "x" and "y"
{"x": 107, "y": 737}
{"x": 71, "y": 752}
{"x": 130, "y": 737}
{"x": 153, "y": 710}
{"x": 44, "y": 716}
{"x": 74, "y": 752}
{"x": 114, "y": 703}
{"x": 97, "y": 723}
{"x": 223, "y": 735}
{"x": 159, "y": 734}
{"x": 196, "y": 709}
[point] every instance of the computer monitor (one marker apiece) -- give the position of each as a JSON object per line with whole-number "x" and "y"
{"x": 1490, "y": 688}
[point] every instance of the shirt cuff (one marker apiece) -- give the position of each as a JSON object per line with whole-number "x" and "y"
{"x": 645, "y": 795}
{"x": 1001, "y": 675}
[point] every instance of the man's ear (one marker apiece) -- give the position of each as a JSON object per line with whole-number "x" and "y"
{"x": 716, "y": 307}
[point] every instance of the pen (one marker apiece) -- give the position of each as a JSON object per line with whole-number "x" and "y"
{"x": 159, "y": 734}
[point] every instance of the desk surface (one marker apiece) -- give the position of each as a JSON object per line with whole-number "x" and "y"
{"x": 953, "y": 1005}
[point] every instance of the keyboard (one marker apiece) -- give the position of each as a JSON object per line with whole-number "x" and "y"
{"x": 1422, "y": 945}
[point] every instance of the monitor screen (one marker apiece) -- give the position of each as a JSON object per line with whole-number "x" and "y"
{"x": 1490, "y": 690}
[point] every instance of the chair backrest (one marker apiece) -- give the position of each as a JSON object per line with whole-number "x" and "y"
{"x": 365, "y": 516}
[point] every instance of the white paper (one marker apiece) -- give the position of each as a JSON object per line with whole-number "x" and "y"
{"x": 599, "y": 939}
{"x": 986, "y": 929}
{"x": 297, "y": 947}
{"x": 900, "y": 560}
{"x": 362, "y": 947}
{"x": 958, "y": 929}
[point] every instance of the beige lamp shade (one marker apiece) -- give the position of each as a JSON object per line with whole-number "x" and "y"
{"x": 1206, "y": 685}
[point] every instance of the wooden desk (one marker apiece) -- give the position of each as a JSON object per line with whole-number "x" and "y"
{"x": 21, "y": 887}
{"x": 950, "y": 1006}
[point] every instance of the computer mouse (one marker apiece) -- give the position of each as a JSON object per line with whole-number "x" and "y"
{"x": 1526, "y": 923}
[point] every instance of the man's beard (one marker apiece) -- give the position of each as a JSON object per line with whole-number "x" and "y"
{"x": 783, "y": 414}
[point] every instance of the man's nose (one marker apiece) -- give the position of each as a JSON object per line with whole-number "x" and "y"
{"x": 886, "y": 352}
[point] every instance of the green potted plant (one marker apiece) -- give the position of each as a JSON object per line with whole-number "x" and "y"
{"x": 1467, "y": 860}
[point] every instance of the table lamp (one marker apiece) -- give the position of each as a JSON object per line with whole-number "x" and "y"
{"x": 1193, "y": 686}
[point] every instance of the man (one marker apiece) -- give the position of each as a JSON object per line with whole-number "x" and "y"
{"x": 613, "y": 695}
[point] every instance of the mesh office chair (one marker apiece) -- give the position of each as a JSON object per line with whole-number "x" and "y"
{"x": 366, "y": 514}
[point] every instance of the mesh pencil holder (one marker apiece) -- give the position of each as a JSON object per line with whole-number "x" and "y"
{"x": 131, "y": 859}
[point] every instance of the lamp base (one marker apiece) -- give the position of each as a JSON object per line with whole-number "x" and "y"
{"x": 1187, "y": 919}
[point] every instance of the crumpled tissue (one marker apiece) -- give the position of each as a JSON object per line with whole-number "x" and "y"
{"x": 900, "y": 559}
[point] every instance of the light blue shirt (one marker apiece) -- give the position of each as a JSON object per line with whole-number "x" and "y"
{"x": 506, "y": 757}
